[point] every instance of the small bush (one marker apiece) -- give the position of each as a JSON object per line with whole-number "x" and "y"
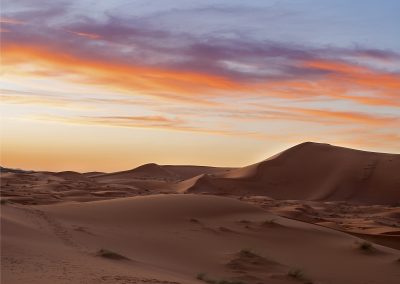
{"x": 296, "y": 273}
{"x": 269, "y": 222}
{"x": 246, "y": 252}
{"x": 299, "y": 275}
{"x": 229, "y": 282}
{"x": 202, "y": 276}
{"x": 365, "y": 246}
{"x": 111, "y": 255}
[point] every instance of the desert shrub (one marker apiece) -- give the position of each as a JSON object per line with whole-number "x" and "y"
{"x": 110, "y": 254}
{"x": 299, "y": 275}
{"x": 229, "y": 282}
{"x": 365, "y": 246}
{"x": 246, "y": 252}
{"x": 296, "y": 273}
{"x": 269, "y": 222}
{"x": 202, "y": 276}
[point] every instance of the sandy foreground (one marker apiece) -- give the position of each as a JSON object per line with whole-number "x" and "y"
{"x": 181, "y": 224}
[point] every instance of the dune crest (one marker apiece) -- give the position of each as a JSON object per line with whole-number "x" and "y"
{"x": 314, "y": 171}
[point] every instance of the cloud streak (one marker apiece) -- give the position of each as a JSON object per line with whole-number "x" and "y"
{"x": 128, "y": 78}
{"x": 338, "y": 80}
{"x": 215, "y": 73}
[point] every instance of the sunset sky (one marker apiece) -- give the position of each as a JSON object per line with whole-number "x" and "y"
{"x": 110, "y": 85}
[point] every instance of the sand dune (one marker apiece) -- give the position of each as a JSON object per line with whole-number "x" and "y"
{"x": 197, "y": 184}
{"x": 71, "y": 175}
{"x": 313, "y": 171}
{"x": 152, "y": 171}
{"x": 314, "y": 213}
{"x": 93, "y": 174}
{"x": 162, "y": 172}
{"x": 376, "y": 223}
{"x": 180, "y": 239}
{"x": 308, "y": 171}
{"x": 153, "y": 178}
{"x": 187, "y": 172}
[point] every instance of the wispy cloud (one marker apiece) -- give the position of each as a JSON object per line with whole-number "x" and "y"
{"x": 127, "y": 77}
{"x": 10, "y": 21}
{"x": 324, "y": 78}
{"x": 86, "y": 35}
{"x": 71, "y": 101}
{"x": 147, "y": 122}
{"x": 197, "y": 81}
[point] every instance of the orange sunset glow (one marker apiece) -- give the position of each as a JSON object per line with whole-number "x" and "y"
{"x": 105, "y": 94}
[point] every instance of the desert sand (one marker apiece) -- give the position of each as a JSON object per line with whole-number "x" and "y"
{"x": 314, "y": 213}
{"x": 313, "y": 171}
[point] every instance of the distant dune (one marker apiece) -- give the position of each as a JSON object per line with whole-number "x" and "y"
{"x": 187, "y": 172}
{"x": 311, "y": 171}
{"x": 160, "y": 172}
{"x": 151, "y": 170}
{"x": 92, "y": 174}
{"x": 71, "y": 175}
{"x": 308, "y": 171}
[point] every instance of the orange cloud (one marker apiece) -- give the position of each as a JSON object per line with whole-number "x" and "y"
{"x": 330, "y": 65}
{"x": 316, "y": 115}
{"x": 148, "y": 80}
{"x": 358, "y": 76}
{"x": 86, "y": 35}
{"x": 341, "y": 80}
{"x": 369, "y": 88}
{"x": 345, "y": 116}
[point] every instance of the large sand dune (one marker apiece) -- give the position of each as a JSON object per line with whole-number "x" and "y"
{"x": 311, "y": 171}
{"x": 177, "y": 239}
{"x": 308, "y": 171}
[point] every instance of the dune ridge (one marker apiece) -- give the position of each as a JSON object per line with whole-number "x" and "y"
{"x": 313, "y": 171}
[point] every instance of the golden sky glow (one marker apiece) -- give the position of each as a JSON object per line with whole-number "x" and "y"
{"x": 109, "y": 94}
